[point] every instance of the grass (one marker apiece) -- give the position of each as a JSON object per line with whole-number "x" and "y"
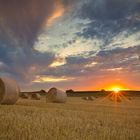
{"x": 75, "y": 120}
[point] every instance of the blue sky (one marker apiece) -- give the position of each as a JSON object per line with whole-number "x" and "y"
{"x": 83, "y": 44}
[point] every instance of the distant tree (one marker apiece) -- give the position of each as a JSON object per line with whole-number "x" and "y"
{"x": 42, "y": 92}
{"x": 70, "y": 91}
{"x": 103, "y": 90}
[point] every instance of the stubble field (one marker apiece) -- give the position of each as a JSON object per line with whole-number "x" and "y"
{"x": 76, "y": 120}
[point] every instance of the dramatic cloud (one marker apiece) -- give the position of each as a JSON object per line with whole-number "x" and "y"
{"x": 70, "y": 43}
{"x": 20, "y": 24}
{"x": 107, "y": 9}
{"x": 22, "y": 20}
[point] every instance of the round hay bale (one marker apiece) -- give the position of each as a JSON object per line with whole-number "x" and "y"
{"x": 9, "y": 91}
{"x": 24, "y": 96}
{"x": 90, "y": 98}
{"x": 56, "y": 95}
{"x": 36, "y": 96}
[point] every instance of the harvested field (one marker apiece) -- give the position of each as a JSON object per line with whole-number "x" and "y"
{"x": 75, "y": 120}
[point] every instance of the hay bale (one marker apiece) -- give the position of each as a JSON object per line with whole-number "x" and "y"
{"x": 88, "y": 98}
{"x": 9, "y": 91}
{"x": 36, "y": 96}
{"x": 85, "y": 98}
{"x": 56, "y": 95}
{"x": 24, "y": 96}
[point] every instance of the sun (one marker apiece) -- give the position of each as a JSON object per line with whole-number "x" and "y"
{"x": 116, "y": 89}
{"x": 116, "y": 93}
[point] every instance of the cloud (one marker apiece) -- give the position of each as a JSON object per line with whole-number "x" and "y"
{"x": 97, "y": 47}
{"x": 109, "y": 20}
{"x": 65, "y": 41}
{"x": 69, "y": 43}
{"x": 23, "y": 26}
{"x": 52, "y": 79}
{"x": 107, "y": 9}
{"x": 124, "y": 40}
{"x": 20, "y": 24}
{"x": 58, "y": 12}
{"x": 21, "y": 64}
{"x": 91, "y": 64}
{"x": 58, "y": 62}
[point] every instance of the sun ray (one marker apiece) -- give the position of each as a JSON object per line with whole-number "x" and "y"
{"x": 115, "y": 94}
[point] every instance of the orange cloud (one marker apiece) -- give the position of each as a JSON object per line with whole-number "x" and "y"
{"x": 58, "y": 62}
{"x": 58, "y": 12}
{"x": 44, "y": 79}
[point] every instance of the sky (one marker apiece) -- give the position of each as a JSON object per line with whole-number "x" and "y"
{"x": 70, "y": 44}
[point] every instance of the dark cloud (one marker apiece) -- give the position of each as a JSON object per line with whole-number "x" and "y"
{"x": 72, "y": 68}
{"x": 126, "y": 58}
{"x": 108, "y": 9}
{"x": 21, "y": 20}
{"x": 21, "y": 64}
{"x": 109, "y": 18}
{"x": 69, "y": 2}
{"x": 20, "y": 24}
{"x": 77, "y": 60}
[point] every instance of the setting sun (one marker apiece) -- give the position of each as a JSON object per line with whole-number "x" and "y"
{"x": 116, "y": 89}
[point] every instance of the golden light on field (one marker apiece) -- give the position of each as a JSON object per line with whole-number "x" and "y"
{"x": 117, "y": 94}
